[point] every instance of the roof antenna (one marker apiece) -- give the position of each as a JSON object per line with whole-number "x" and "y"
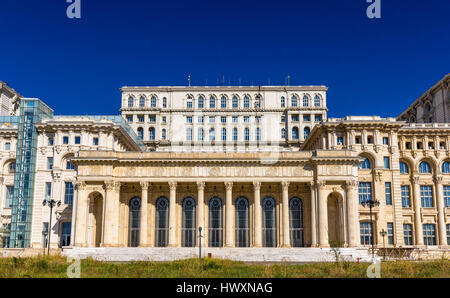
{"x": 189, "y": 80}
{"x": 223, "y": 80}
{"x": 288, "y": 79}
{"x": 240, "y": 83}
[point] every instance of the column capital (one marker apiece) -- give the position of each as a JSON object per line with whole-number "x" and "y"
{"x": 229, "y": 185}
{"x": 438, "y": 179}
{"x": 111, "y": 185}
{"x": 415, "y": 180}
{"x": 201, "y": 185}
{"x": 285, "y": 185}
{"x": 351, "y": 184}
{"x": 145, "y": 185}
{"x": 173, "y": 185}
{"x": 321, "y": 184}
{"x": 257, "y": 185}
{"x": 80, "y": 185}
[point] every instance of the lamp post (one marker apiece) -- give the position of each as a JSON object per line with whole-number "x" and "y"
{"x": 383, "y": 233}
{"x": 200, "y": 243}
{"x": 371, "y": 203}
{"x": 51, "y": 203}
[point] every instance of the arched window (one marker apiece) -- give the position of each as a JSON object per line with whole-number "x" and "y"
{"x": 365, "y": 165}
{"x": 306, "y": 132}
{"x": 130, "y": 102}
{"x": 242, "y": 216}
{"x": 189, "y": 227}
{"x": 296, "y": 222}
{"x": 212, "y": 102}
{"x": 163, "y": 134}
{"x": 224, "y": 134}
{"x": 201, "y": 102}
{"x": 142, "y": 102}
{"x": 269, "y": 222}
{"x": 12, "y": 168}
{"x": 162, "y": 222}
{"x": 403, "y": 168}
{"x": 246, "y": 102}
{"x": 188, "y": 134}
{"x": 134, "y": 223}
{"x": 258, "y": 134}
{"x": 140, "y": 131}
{"x": 223, "y": 102}
{"x": 201, "y": 134}
{"x": 317, "y": 101}
{"x": 212, "y": 134}
{"x": 295, "y": 133}
{"x": 283, "y": 102}
{"x": 294, "y": 101}
{"x": 235, "y": 102}
{"x": 424, "y": 168}
{"x": 445, "y": 167}
{"x": 235, "y": 134}
{"x": 283, "y": 133}
{"x": 305, "y": 101}
{"x": 153, "y": 102}
{"x": 215, "y": 225}
{"x": 164, "y": 102}
{"x": 152, "y": 133}
{"x": 247, "y": 134}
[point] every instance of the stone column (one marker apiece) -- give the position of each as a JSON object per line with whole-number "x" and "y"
{"x": 144, "y": 215}
{"x": 285, "y": 214}
{"x": 74, "y": 213}
{"x": 417, "y": 211}
{"x": 440, "y": 207}
{"x": 313, "y": 215}
{"x": 229, "y": 215}
{"x": 258, "y": 213}
{"x": 110, "y": 233}
{"x": 323, "y": 215}
{"x": 172, "y": 214}
{"x": 201, "y": 209}
{"x": 351, "y": 212}
{"x": 81, "y": 210}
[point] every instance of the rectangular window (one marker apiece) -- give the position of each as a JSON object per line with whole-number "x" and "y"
{"x": 408, "y": 234}
{"x": 50, "y": 141}
{"x": 385, "y": 141}
{"x": 77, "y": 140}
{"x": 387, "y": 192}
{"x": 257, "y": 119}
{"x": 95, "y": 141}
{"x": 201, "y": 119}
{"x": 387, "y": 164}
{"x": 390, "y": 233}
{"x": 306, "y": 118}
{"x": 129, "y": 118}
{"x": 426, "y": 196}
{"x": 164, "y": 102}
{"x": 65, "y": 140}
{"x": 235, "y": 119}
{"x": 246, "y": 119}
{"x": 141, "y": 118}
{"x": 152, "y": 118}
{"x": 49, "y": 163}
{"x": 317, "y": 118}
{"x": 406, "y": 199}
{"x": 365, "y": 191}
{"x": 366, "y": 233}
{"x": 447, "y": 196}
{"x": 164, "y": 119}
{"x": 68, "y": 193}
{"x": 189, "y": 104}
{"x": 357, "y": 140}
{"x": 340, "y": 140}
{"x": 7, "y": 146}
{"x": 429, "y": 234}
{"x": 212, "y": 119}
{"x": 65, "y": 234}
{"x": 9, "y": 196}
{"x": 48, "y": 190}
{"x": 223, "y": 119}
{"x": 294, "y": 118}
{"x": 188, "y": 134}
{"x": 188, "y": 119}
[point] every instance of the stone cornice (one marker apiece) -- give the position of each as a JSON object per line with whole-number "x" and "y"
{"x": 195, "y": 89}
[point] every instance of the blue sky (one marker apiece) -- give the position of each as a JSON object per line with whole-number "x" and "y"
{"x": 371, "y": 66}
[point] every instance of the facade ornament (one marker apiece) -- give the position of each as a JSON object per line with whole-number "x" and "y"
{"x": 173, "y": 185}
{"x": 321, "y": 184}
{"x": 201, "y": 185}
{"x": 145, "y": 186}
{"x": 285, "y": 185}
{"x": 377, "y": 148}
{"x": 257, "y": 185}
{"x": 58, "y": 149}
{"x": 438, "y": 179}
{"x": 229, "y": 185}
{"x": 80, "y": 185}
{"x": 415, "y": 179}
{"x": 43, "y": 150}
{"x": 112, "y": 186}
{"x": 414, "y": 153}
{"x": 350, "y": 184}
{"x": 378, "y": 174}
{"x": 437, "y": 153}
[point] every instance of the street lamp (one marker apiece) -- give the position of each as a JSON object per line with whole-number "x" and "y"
{"x": 51, "y": 203}
{"x": 200, "y": 243}
{"x": 383, "y": 233}
{"x": 371, "y": 203}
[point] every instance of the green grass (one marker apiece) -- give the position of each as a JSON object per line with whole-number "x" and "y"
{"x": 56, "y": 266}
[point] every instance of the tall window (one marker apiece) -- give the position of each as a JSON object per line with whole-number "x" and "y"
{"x": 406, "y": 198}
{"x": 295, "y": 133}
{"x": 200, "y": 135}
{"x": 447, "y": 196}
{"x": 224, "y": 134}
{"x": 294, "y": 101}
{"x": 408, "y": 234}
{"x": 189, "y": 104}
{"x": 365, "y": 191}
{"x": 162, "y": 222}
{"x": 163, "y": 134}
{"x": 283, "y": 133}
{"x": 134, "y": 223}
{"x": 130, "y": 102}
{"x": 306, "y": 132}
{"x": 9, "y": 195}
{"x": 426, "y": 196}
{"x": 269, "y": 222}
{"x": 365, "y": 165}
{"x": 390, "y": 233}
{"x": 446, "y": 167}
{"x": 448, "y": 234}
{"x": 153, "y": 102}
{"x": 68, "y": 193}
{"x": 296, "y": 222}
{"x": 215, "y": 222}
{"x": 366, "y": 233}
{"x": 212, "y": 102}
{"x": 201, "y": 102}
{"x": 188, "y": 134}
{"x": 223, "y": 102}
{"x": 247, "y": 134}
{"x": 189, "y": 227}
{"x": 429, "y": 234}
{"x": 283, "y": 102}
{"x": 49, "y": 163}
{"x": 235, "y": 134}
{"x": 65, "y": 233}
{"x": 246, "y": 102}
{"x": 387, "y": 192}
{"x": 48, "y": 190}
{"x": 403, "y": 168}
{"x": 235, "y": 102}
{"x": 258, "y": 134}
{"x": 424, "y": 168}
{"x": 242, "y": 216}
{"x": 317, "y": 101}
{"x": 387, "y": 164}
{"x": 142, "y": 102}
{"x": 305, "y": 101}
{"x": 152, "y": 133}
{"x": 140, "y": 132}
{"x": 212, "y": 134}
{"x": 164, "y": 102}
{"x": 12, "y": 168}
{"x": 69, "y": 165}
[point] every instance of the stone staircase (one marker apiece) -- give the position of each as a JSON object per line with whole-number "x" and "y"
{"x": 250, "y": 255}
